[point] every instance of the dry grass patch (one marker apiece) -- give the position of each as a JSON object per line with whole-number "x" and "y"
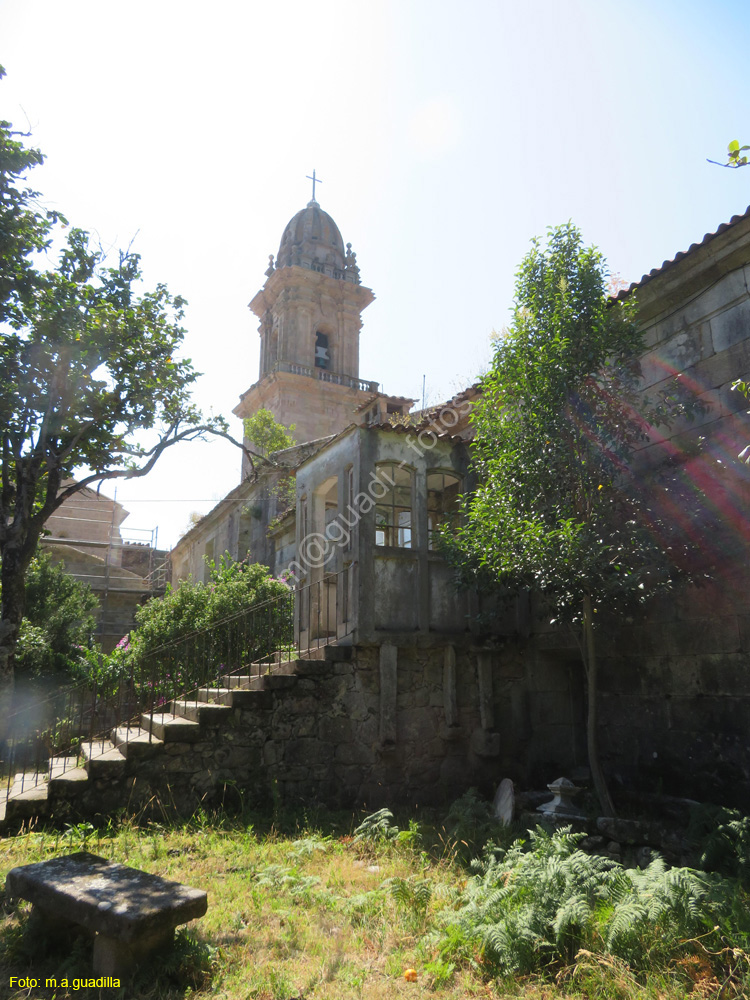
{"x": 311, "y": 914}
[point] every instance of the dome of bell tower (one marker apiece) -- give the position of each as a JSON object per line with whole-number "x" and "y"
{"x": 312, "y": 239}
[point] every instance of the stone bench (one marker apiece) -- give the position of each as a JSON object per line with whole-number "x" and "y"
{"x": 129, "y": 912}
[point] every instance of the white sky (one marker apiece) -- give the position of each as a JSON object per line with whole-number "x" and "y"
{"x": 446, "y": 135}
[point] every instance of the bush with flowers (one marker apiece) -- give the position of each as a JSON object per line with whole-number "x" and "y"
{"x": 198, "y": 630}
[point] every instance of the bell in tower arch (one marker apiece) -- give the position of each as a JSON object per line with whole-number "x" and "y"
{"x": 322, "y": 356}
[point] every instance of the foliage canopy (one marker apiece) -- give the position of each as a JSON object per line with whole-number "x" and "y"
{"x": 193, "y": 614}
{"x": 559, "y": 508}
{"x": 59, "y": 620}
{"x": 267, "y": 433}
{"x": 90, "y": 380}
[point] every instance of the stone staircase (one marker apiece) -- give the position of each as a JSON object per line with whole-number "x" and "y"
{"x": 113, "y": 758}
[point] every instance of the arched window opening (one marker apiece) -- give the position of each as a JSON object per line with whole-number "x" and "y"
{"x": 443, "y": 491}
{"x": 322, "y": 355}
{"x": 393, "y": 514}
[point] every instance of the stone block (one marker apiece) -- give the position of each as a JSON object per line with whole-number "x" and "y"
{"x": 727, "y": 715}
{"x": 731, "y": 326}
{"x": 182, "y": 765}
{"x": 316, "y": 669}
{"x": 307, "y": 752}
{"x": 335, "y": 730}
{"x": 306, "y": 726}
{"x": 549, "y": 709}
{"x": 721, "y": 674}
{"x": 418, "y": 726}
{"x": 131, "y": 912}
{"x": 355, "y": 753}
{"x": 454, "y": 776}
{"x": 552, "y": 675}
{"x": 679, "y": 352}
{"x": 707, "y": 635}
{"x": 633, "y": 711}
{"x": 422, "y": 698}
{"x": 728, "y": 291}
{"x": 724, "y": 366}
{"x": 485, "y": 744}
{"x": 620, "y": 675}
{"x": 294, "y": 705}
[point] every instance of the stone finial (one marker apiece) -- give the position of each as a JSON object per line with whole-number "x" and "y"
{"x": 351, "y": 262}
{"x": 561, "y": 805}
{"x": 271, "y": 266}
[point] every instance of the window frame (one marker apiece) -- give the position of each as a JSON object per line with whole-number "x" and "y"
{"x": 443, "y": 517}
{"x": 398, "y": 529}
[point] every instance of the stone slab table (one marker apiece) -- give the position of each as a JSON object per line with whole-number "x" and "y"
{"x": 129, "y": 912}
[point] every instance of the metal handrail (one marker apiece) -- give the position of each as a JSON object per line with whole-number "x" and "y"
{"x": 53, "y": 732}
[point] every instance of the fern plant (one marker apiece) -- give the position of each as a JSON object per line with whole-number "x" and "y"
{"x": 724, "y": 839}
{"x": 539, "y": 902}
{"x": 412, "y": 895}
{"x": 377, "y": 827}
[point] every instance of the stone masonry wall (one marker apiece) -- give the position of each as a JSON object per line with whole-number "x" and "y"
{"x": 358, "y": 732}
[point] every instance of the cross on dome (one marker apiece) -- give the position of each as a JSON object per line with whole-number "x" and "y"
{"x": 315, "y": 181}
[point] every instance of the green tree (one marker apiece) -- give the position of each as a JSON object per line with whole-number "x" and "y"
{"x": 267, "y": 434}
{"x": 25, "y": 228}
{"x": 557, "y": 509}
{"x": 89, "y": 378}
{"x": 59, "y": 620}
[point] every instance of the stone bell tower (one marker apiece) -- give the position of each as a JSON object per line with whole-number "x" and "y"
{"x": 310, "y": 312}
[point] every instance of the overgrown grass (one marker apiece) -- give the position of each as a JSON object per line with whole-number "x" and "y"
{"x": 328, "y": 906}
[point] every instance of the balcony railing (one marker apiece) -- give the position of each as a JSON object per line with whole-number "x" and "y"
{"x": 323, "y": 375}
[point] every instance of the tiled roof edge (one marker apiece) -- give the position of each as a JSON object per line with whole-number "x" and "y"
{"x": 656, "y": 271}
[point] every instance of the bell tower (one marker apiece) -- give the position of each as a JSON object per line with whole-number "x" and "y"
{"x": 310, "y": 311}
{"x": 310, "y": 307}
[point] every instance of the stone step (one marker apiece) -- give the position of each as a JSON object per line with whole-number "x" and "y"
{"x": 201, "y": 711}
{"x": 23, "y": 782}
{"x": 132, "y": 741}
{"x": 215, "y": 695}
{"x": 102, "y": 758}
{"x": 280, "y": 669}
{"x": 65, "y": 771}
{"x": 171, "y": 728}
{"x": 280, "y": 656}
{"x": 233, "y": 681}
{"x": 28, "y": 797}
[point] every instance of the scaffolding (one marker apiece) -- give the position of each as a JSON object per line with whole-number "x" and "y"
{"x": 122, "y": 562}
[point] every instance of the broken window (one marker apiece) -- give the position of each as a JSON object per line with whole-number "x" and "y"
{"x": 322, "y": 356}
{"x": 393, "y": 514}
{"x": 443, "y": 491}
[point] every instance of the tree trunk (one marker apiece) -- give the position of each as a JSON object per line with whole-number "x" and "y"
{"x": 589, "y": 647}
{"x": 13, "y": 602}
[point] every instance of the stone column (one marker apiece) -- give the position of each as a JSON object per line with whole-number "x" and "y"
{"x": 449, "y": 686}
{"x": 484, "y": 677}
{"x": 388, "y": 692}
